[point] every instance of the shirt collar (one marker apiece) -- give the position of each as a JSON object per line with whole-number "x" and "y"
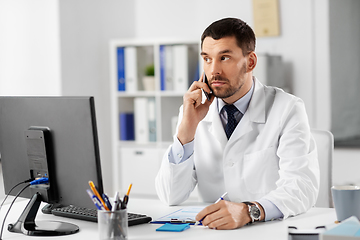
{"x": 241, "y": 104}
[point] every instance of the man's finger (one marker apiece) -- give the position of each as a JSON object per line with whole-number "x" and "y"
{"x": 206, "y": 211}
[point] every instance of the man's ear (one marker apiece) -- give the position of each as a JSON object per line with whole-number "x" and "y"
{"x": 252, "y": 60}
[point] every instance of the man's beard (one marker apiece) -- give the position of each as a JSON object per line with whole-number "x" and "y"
{"x": 230, "y": 90}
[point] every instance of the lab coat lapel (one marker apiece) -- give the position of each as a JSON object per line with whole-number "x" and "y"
{"x": 254, "y": 114}
{"x": 242, "y": 128}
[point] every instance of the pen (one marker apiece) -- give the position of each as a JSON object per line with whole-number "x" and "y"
{"x": 116, "y": 202}
{"x": 93, "y": 188}
{"x": 114, "y": 208}
{"x": 106, "y": 200}
{"x": 126, "y": 197}
{"x": 95, "y": 200}
{"x": 219, "y": 199}
{"x": 182, "y": 221}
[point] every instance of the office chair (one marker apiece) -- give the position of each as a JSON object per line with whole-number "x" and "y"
{"x": 325, "y": 146}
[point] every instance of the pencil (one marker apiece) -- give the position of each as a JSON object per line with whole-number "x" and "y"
{"x": 128, "y": 192}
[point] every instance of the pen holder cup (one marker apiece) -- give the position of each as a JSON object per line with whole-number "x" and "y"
{"x": 113, "y": 225}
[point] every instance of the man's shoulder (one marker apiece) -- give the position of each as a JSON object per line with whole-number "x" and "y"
{"x": 277, "y": 92}
{"x": 274, "y": 92}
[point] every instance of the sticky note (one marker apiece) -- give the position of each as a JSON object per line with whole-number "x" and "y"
{"x": 168, "y": 227}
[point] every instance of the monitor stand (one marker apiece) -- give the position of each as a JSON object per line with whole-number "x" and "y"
{"x": 26, "y": 223}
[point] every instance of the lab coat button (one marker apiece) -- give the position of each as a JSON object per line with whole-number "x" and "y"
{"x": 230, "y": 164}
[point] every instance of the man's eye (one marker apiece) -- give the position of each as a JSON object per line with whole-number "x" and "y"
{"x": 224, "y": 58}
{"x": 206, "y": 59}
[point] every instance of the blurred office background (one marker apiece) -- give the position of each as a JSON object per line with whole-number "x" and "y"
{"x": 61, "y": 47}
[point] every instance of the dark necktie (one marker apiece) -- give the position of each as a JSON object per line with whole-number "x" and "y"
{"x": 231, "y": 124}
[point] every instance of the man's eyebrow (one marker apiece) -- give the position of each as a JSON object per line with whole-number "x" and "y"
{"x": 225, "y": 51}
{"x": 221, "y": 52}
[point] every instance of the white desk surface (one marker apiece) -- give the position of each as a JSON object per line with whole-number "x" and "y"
{"x": 88, "y": 230}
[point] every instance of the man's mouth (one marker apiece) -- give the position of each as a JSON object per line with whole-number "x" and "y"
{"x": 217, "y": 83}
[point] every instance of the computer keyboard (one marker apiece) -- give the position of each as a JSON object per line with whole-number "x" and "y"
{"x": 88, "y": 214}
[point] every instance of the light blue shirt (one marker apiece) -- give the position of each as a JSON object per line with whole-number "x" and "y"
{"x": 180, "y": 153}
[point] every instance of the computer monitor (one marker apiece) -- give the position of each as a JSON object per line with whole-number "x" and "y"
{"x": 67, "y": 126}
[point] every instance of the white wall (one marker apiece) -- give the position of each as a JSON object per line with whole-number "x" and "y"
{"x": 321, "y": 69}
{"x": 29, "y": 47}
{"x": 346, "y": 166}
{"x": 185, "y": 19}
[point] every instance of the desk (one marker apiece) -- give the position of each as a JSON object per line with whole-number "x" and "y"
{"x": 154, "y": 208}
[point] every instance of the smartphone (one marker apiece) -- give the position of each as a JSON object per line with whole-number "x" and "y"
{"x": 208, "y": 95}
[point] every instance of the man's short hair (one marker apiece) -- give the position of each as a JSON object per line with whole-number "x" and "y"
{"x": 228, "y": 27}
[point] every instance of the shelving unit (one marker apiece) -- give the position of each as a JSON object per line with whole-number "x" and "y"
{"x": 142, "y": 156}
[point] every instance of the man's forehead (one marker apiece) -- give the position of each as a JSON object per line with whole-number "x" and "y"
{"x": 218, "y": 46}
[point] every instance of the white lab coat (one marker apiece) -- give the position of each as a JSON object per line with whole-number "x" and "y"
{"x": 271, "y": 154}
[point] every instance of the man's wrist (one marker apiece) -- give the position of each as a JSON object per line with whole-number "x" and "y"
{"x": 262, "y": 211}
{"x": 255, "y": 211}
{"x": 185, "y": 136}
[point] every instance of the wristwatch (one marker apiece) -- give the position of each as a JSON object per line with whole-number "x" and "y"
{"x": 254, "y": 211}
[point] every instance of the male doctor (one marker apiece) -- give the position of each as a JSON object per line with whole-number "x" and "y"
{"x": 249, "y": 140}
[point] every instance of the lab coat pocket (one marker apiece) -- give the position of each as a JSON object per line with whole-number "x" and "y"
{"x": 261, "y": 170}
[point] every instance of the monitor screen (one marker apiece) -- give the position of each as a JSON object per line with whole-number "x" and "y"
{"x": 72, "y": 125}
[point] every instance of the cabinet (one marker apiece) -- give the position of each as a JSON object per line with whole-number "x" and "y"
{"x": 150, "y": 105}
{"x": 139, "y": 166}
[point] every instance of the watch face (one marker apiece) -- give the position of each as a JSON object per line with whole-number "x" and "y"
{"x": 255, "y": 212}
